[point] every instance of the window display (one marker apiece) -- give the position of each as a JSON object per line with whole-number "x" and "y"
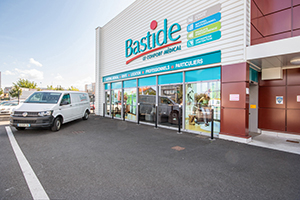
{"x": 130, "y": 104}
{"x": 201, "y": 98}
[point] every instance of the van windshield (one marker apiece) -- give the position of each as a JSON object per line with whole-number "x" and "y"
{"x": 43, "y": 97}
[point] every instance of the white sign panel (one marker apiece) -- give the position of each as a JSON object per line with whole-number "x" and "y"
{"x": 234, "y": 97}
{"x": 298, "y": 98}
{"x": 279, "y": 99}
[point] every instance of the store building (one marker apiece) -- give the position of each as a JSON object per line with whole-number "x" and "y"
{"x": 170, "y": 62}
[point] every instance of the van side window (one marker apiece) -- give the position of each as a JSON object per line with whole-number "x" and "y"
{"x": 164, "y": 100}
{"x": 66, "y": 98}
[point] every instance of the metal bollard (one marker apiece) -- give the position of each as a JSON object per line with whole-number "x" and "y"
{"x": 103, "y": 109}
{"x": 124, "y": 111}
{"x": 179, "y": 120}
{"x": 155, "y": 115}
{"x": 212, "y": 124}
{"x": 138, "y": 114}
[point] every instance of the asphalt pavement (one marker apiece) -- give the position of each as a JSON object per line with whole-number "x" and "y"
{"x": 103, "y": 158}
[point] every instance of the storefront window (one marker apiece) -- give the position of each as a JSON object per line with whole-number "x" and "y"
{"x": 130, "y": 103}
{"x": 116, "y": 97}
{"x": 147, "y": 99}
{"x": 170, "y": 97}
{"x": 201, "y": 97}
{"x": 107, "y": 100}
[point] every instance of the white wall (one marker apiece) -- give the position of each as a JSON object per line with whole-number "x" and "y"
{"x": 134, "y": 23}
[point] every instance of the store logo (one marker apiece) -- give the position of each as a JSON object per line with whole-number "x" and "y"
{"x": 152, "y": 42}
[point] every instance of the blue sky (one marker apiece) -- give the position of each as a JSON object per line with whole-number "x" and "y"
{"x": 52, "y": 42}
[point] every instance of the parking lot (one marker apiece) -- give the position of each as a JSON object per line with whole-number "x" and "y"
{"x": 103, "y": 158}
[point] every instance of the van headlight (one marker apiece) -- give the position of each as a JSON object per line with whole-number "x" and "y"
{"x": 45, "y": 113}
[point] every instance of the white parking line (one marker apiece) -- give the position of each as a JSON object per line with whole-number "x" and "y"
{"x": 36, "y": 189}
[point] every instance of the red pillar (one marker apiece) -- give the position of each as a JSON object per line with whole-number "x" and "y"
{"x": 235, "y": 100}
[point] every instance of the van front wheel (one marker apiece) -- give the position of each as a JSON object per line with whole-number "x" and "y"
{"x": 86, "y": 115}
{"x": 56, "y": 124}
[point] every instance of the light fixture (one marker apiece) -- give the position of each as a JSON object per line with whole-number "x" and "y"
{"x": 295, "y": 61}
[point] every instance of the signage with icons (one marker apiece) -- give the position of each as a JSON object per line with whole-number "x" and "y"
{"x": 194, "y": 61}
{"x": 204, "y": 39}
{"x": 204, "y": 26}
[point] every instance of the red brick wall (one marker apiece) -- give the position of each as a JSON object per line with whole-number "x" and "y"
{"x": 274, "y": 20}
{"x": 235, "y": 114}
{"x": 280, "y": 117}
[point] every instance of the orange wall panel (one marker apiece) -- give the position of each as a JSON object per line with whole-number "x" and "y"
{"x": 267, "y": 97}
{"x": 293, "y": 124}
{"x": 292, "y": 93}
{"x": 238, "y": 88}
{"x": 296, "y": 17}
{"x": 270, "y": 6}
{"x": 274, "y": 23}
{"x": 274, "y": 20}
{"x": 293, "y": 76}
{"x": 235, "y": 72}
{"x": 234, "y": 122}
{"x": 271, "y": 118}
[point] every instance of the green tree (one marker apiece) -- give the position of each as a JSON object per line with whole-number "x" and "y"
{"x": 14, "y": 91}
{"x": 73, "y": 88}
{"x": 1, "y": 91}
{"x": 24, "y": 83}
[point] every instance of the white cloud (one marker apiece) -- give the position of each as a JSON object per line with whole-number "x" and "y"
{"x": 30, "y": 74}
{"x": 81, "y": 83}
{"x": 34, "y": 62}
{"x": 7, "y": 72}
{"x": 59, "y": 77}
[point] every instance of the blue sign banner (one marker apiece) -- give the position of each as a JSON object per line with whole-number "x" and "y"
{"x": 204, "y": 39}
{"x": 204, "y": 22}
{"x": 194, "y": 61}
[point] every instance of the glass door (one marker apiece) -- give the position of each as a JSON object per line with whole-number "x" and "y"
{"x": 147, "y": 100}
{"x": 169, "y": 109}
{"x": 116, "y": 106}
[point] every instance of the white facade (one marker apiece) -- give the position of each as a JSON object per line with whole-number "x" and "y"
{"x": 134, "y": 23}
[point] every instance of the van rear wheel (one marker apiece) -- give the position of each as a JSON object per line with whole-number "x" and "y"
{"x": 56, "y": 124}
{"x": 86, "y": 115}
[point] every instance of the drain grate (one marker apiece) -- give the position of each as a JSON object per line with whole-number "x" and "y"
{"x": 293, "y": 141}
{"x": 178, "y": 148}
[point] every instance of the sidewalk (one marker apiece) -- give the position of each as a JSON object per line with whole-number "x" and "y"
{"x": 277, "y": 141}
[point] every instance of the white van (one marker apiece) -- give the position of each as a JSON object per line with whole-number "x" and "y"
{"x": 50, "y": 109}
